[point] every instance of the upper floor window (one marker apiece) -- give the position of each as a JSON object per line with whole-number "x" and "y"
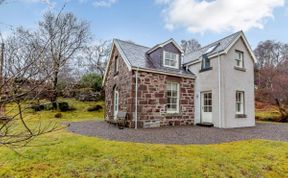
{"x": 205, "y": 62}
{"x": 171, "y": 60}
{"x": 172, "y": 94}
{"x": 240, "y": 102}
{"x": 116, "y": 65}
{"x": 239, "y": 59}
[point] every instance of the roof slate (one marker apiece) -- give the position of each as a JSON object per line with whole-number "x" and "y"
{"x": 223, "y": 44}
{"x": 136, "y": 55}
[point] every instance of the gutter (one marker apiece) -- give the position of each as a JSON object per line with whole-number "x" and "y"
{"x": 219, "y": 91}
{"x": 192, "y": 76}
{"x": 136, "y": 100}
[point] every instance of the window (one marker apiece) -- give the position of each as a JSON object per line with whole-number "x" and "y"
{"x": 116, "y": 65}
{"x": 240, "y": 102}
{"x": 116, "y": 102}
{"x": 239, "y": 59}
{"x": 205, "y": 62}
{"x": 172, "y": 94}
{"x": 171, "y": 59}
{"x": 207, "y": 103}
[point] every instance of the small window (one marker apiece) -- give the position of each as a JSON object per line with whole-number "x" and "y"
{"x": 239, "y": 59}
{"x": 171, "y": 59}
{"x": 116, "y": 63}
{"x": 240, "y": 102}
{"x": 205, "y": 62}
{"x": 172, "y": 94}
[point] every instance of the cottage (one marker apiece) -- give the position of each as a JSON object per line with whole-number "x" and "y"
{"x": 160, "y": 86}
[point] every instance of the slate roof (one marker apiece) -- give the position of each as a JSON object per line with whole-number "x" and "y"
{"x": 220, "y": 45}
{"x": 136, "y": 55}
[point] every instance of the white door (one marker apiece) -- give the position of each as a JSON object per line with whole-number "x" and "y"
{"x": 206, "y": 107}
{"x": 116, "y": 103}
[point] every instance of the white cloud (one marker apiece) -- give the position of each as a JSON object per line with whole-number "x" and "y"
{"x": 50, "y": 4}
{"x": 218, "y": 15}
{"x": 104, "y": 3}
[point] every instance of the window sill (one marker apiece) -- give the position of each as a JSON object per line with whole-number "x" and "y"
{"x": 241, "y": 116}
{"x": 240, "y": 68}
{"x": 206, "y": 69}
{"x": 172, "y": 114}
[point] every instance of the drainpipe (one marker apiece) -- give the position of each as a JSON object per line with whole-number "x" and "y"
{"x": 219, "y": 91}
{"x": 136, "y": 99}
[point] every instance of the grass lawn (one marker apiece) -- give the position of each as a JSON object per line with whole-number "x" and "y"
{"x": 64, "y": 154}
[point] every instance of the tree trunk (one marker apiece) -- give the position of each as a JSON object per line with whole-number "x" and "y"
{"x": 54, "y": 89}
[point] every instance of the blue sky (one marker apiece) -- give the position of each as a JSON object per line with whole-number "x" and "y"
{"x": 149, "y": 22}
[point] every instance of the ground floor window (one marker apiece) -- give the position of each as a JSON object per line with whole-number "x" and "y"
{"x": 240, "y": 102}
{"x": 172, "y": 94}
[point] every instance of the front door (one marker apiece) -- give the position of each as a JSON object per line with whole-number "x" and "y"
{"x": 206, "y": 107}
{"x": 116, "y": 103}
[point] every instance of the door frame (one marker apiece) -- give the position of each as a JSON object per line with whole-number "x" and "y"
{"x": 201, "y": 102}
{"x": 115, "y": 95}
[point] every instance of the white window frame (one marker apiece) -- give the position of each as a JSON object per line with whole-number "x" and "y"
{"x": 115, "y": 103}
{"x": 240, "y": 101}
{"x": 177, "y": 99}
{"x": 167, "y": 65}
{"x": 239, "y": 58}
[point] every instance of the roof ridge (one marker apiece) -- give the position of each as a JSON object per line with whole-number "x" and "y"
{"x": 132, "y": 43}
{"x": 215, "y": 42}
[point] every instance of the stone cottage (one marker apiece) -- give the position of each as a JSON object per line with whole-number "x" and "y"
{"x": 160, "y": 86}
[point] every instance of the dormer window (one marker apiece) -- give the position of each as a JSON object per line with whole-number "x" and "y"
{"x": 171, "y": 59}
{"x": 205, "y": 63}
{"x": 239, "y": 59}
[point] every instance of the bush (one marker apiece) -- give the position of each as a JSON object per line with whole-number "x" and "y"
{"x": 63, "y": 106}
{"x": 95, "y": 108}
{"x": 58, "y": 115}
{"x": 92, "y": 80}
{"x": 38, "y": 107}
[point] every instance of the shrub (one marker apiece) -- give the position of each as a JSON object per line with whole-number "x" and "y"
{"x": 38, "y": 107}
{"x": 92, "y": 80}
{"x": 58, "y": 115}
{"x": 95, "y": 108}
{"x": 63, "y": 106}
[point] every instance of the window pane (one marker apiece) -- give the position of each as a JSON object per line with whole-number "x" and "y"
{"x": 170, "y": 59}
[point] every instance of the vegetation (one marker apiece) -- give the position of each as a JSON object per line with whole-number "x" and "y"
{"x": 267, "y": 112}
{"x": 64, "y": 154}
{"x": 92, "y": 80}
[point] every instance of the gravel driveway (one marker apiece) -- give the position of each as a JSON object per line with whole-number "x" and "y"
{"x": 182, "y": 134}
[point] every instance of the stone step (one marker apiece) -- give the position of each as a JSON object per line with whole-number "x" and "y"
{"x": 205, "y": 124}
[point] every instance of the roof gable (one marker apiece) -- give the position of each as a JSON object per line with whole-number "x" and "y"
{"x": 161, "y": 45}
{"x": 224, "y": 45}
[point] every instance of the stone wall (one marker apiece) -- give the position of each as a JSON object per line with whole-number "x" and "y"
{"x": 152, "y": 100}
{"x": 151, "y": 96}
{"x": 122, "y": 81}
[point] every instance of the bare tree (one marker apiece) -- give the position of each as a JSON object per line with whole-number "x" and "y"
{"x": 23, "y": 62}
{"x": 95, "y": 57}
{"x": 23, "y": 80}
{"x": 69, "y": 36}
{"x": 189, "y": 46}
{"x": 272, "y": 74}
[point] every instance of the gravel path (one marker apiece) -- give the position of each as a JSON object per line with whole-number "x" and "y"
{"x": 181, "y": 135}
